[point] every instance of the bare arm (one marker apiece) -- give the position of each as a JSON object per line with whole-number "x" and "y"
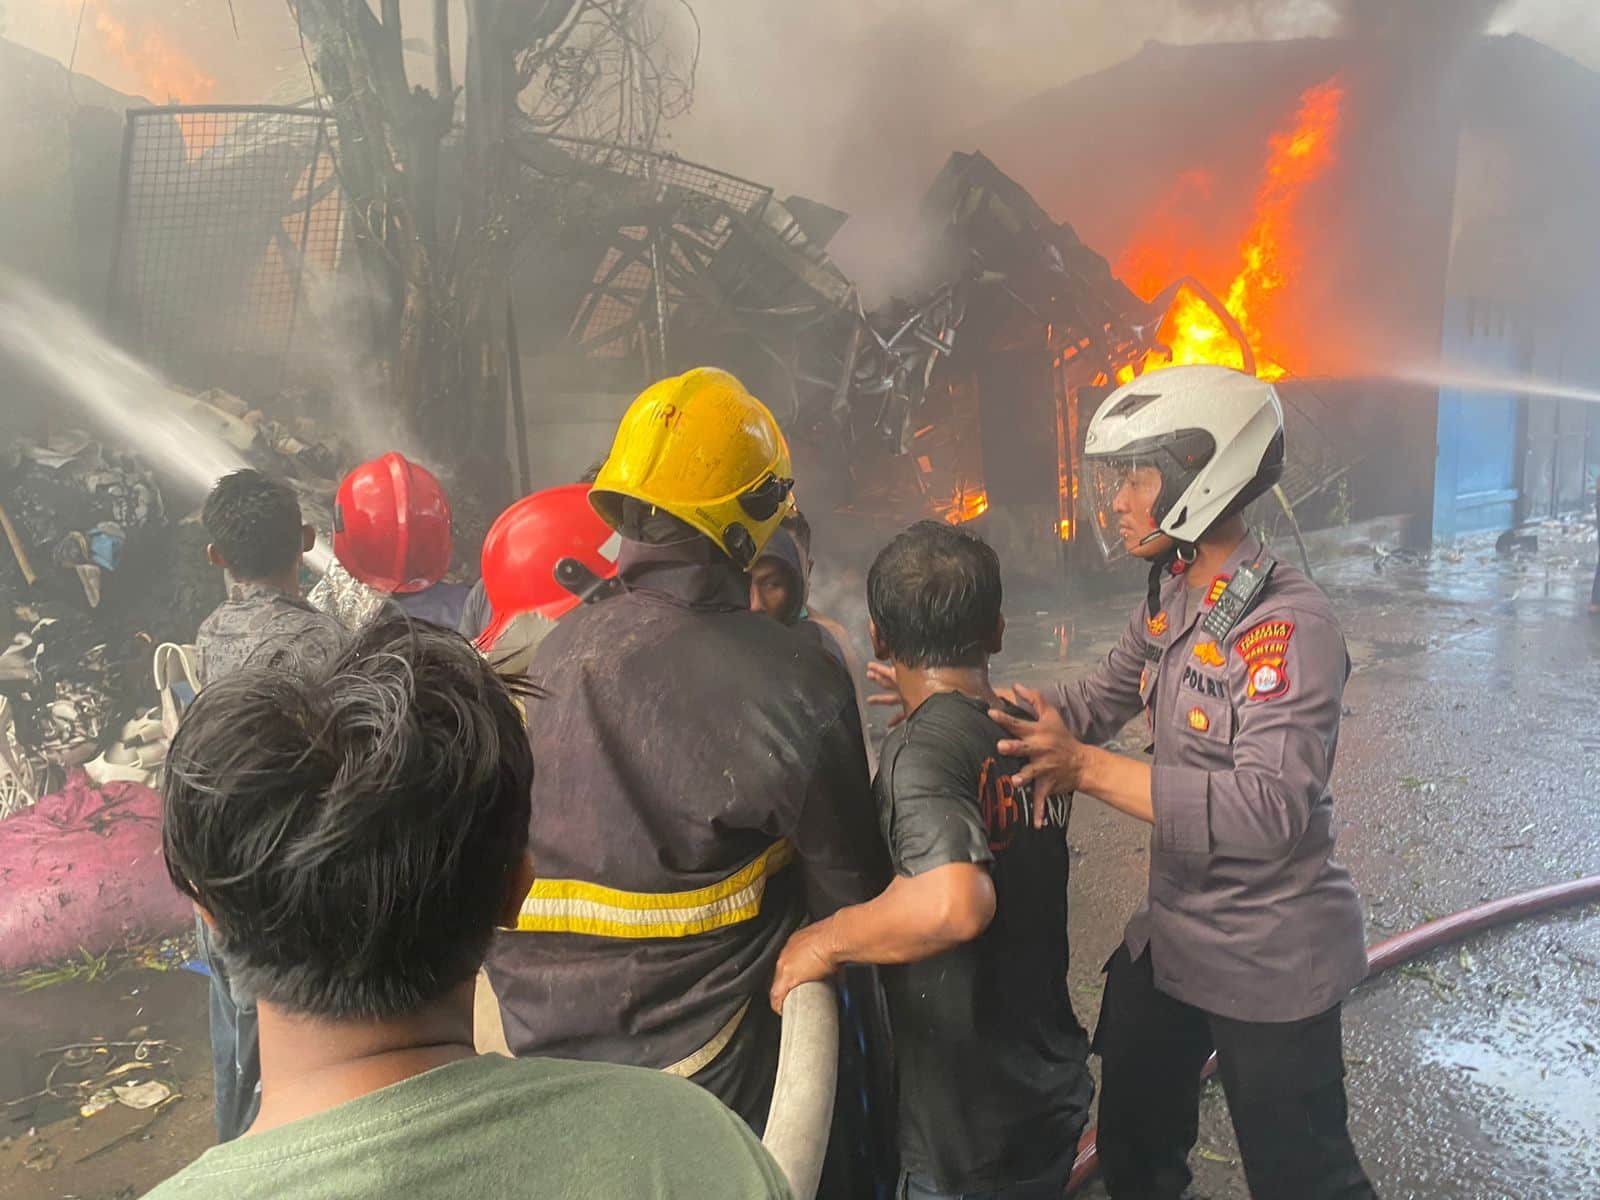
{"x": 915, "y": 917}
{"x": 1117, "y": 780}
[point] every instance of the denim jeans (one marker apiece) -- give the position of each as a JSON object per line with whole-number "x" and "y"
{"x": 235, "y": 1050}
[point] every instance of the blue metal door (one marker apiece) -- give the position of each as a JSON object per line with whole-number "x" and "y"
{"x": 1475, "y": 477}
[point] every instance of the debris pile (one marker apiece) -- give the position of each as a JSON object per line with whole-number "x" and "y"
{"x": 86, "y": 1078}
{"x": 97, "y": 570}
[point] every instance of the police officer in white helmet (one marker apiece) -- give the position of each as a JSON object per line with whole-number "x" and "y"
{"x": 1251, "y": 936}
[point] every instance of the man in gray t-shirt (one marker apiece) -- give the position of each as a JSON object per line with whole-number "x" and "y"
{"x": 257, "y": 538}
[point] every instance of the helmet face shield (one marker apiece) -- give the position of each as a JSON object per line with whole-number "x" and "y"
{"x": 1124, "y": 496}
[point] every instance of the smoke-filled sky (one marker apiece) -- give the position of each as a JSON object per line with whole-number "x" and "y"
{"x": 853, "y": 102}
{"x": 801, "y": 95}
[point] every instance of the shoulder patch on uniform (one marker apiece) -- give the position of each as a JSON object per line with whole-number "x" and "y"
{"x": 1218, "y": 586}
{"x": 1157, "y": 625}
{"x": 1263, "y": 649}
{"x": 1210, "y": 654}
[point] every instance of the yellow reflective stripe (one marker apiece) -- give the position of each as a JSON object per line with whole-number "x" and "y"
{"x": 574, "y": 906}
{"x": 768, "y": 861}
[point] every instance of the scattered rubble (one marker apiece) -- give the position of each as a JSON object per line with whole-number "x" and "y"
{"x": 97, "y": 569}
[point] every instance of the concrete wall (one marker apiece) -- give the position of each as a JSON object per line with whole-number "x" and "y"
{"x": 567, "y": 431}
{"x": 60, "y": 162}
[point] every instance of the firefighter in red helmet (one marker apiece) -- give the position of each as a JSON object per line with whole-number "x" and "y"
{"x": 392, "y": 540}
{"x": 543, "y": 557}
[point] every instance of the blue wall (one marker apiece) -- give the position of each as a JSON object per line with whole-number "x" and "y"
{"x": 1475, "y": 482}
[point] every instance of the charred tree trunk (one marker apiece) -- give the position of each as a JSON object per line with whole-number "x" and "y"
{"x": 389, "y": 140}
{"x": 447, "y": 288}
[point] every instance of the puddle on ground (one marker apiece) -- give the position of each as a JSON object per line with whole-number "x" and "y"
{"x": 1532, "y": 1076}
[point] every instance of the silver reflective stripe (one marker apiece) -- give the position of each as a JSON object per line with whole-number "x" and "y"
{"x": 706, "y": 1055}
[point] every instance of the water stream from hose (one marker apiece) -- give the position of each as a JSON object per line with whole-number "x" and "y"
{"x": 114, "y": 393}
{"x": 1492, "y": 381}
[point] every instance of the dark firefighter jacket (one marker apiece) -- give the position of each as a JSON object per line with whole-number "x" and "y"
{"x": 700, "y": 787}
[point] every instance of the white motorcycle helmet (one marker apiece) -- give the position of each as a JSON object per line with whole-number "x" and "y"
{"x": 1215, "y": 434}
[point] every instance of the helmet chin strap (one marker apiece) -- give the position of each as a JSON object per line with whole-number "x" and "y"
{"x": 1161, "y": 567}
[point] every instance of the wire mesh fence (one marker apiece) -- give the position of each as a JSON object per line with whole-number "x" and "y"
{"x": 229, "y": 216}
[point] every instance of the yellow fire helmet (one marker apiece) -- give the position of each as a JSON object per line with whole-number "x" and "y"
{"x": 702, "y": 448}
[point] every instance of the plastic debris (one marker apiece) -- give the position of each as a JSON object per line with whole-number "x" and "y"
{"x": 142, "y": 1095}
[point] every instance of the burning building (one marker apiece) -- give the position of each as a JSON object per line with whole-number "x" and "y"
{"x": 1403, "y": 232}
{"x": 1318, "y": 211}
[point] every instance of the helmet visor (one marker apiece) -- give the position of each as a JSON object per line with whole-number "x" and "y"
{"x": 1123, "y": 497}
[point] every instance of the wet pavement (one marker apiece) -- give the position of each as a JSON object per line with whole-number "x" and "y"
{"x": 1467, "y": 771}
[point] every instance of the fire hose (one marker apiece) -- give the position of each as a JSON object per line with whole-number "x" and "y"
{"x": 802, "y": 1098}
{"x": 1402, "y": 948}
{"x": 801, "y": 1112}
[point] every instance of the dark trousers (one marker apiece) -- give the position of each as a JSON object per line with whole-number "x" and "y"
{"x": 742, "y": 1075}
{"x": 1051, "y": 1187}
{"x": 235, "y": 1047}
{"x": 1284, "y": 1083}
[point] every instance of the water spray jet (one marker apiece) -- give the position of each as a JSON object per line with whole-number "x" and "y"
{"x": 114, "y": 391}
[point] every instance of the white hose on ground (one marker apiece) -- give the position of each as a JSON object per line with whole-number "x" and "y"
{"x": 802, "y": 1097}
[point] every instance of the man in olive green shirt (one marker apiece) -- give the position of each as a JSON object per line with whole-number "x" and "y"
{"x": 352, "y": 833}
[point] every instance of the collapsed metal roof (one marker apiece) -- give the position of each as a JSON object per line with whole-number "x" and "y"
{"x": 682, "y": 259}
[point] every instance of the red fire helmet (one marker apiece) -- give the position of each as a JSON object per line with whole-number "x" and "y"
{"x": 391, "y": 525}
{"x": 526, "y": 547}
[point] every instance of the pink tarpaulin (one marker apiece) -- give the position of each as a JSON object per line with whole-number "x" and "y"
{"x": 83, "y": 868}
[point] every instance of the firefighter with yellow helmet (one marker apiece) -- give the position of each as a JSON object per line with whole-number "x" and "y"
{"x": 702, "y": 786}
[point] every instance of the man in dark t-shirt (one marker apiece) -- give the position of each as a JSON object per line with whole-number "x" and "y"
{"x": 991, "y": 1061}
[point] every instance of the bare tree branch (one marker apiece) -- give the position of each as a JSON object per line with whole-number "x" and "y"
{"x": 443, "y": 75}
{"x": 607, "y": 70}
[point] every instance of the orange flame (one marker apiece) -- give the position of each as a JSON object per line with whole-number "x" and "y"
{"x": 1268, "y": 257}
{"x": 162, "y": 70}
{"x": 967, "y": 504}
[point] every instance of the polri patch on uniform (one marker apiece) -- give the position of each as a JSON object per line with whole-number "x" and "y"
{"x": 1264, "y": 649}
{"x": 1157, "y": 625}
{"x": 1198, "y": 720}
{"x": 1206, "y": 685}
{"x": 1208, "y": 653}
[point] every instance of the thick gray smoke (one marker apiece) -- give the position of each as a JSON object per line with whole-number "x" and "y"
{"x": 858, "y": 105}
{"x": 1423, "y": 19}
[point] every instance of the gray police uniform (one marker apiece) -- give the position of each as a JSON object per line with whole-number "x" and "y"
{"x": 1250, "y": 935}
